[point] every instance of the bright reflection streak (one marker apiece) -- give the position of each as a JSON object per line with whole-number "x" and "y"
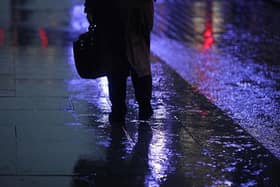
{"x": 159, "y": 152}
{"x": 160, "y": 112}
{"x": 103, "y": 99}
{"x": 158, "y": 158}
{"x": 103, "y": 85}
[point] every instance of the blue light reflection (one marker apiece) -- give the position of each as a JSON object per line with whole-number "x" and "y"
{"x": 78, "y": 19}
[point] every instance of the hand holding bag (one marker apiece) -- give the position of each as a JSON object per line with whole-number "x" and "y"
{"x": 86, "y": 57}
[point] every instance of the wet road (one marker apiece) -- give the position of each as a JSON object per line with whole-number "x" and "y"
{"x": 54, "y": 126}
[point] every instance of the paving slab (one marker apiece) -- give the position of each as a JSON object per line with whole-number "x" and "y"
{"x": 34, "y": 118}
{"x": 33, "y": 181}
{"x": 35, "y": 103}
{"x": 8, "y": 181}
{"x": 8, "y": 147}
{"x": 33, "y": 71}
{"x": 6, "y": 55}
{"x": 41, "y": 87}
{"x": 7, "y": 82}
{"x": 7, "y": 68}
{"x": 7, "y": 93}
{"x": 54, "y": 150}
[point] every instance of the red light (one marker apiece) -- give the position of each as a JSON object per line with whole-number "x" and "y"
{"x": 2, "y": 36}
{"x": 44, "y": 38}
{"x": 208, "y": 36}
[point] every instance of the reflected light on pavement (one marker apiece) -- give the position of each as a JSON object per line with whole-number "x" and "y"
{"x": 103, "y": 100}
{"x": 2, "y": 36}
{"x": 43, "y": 37}
{"x": 208, "y": 35}
{"x": 158, "y": 158}
{"x": 160, "y": 112}
{"x": 208, "y": 23}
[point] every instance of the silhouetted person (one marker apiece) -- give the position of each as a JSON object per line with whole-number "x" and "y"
{"x": 123, "y": 29}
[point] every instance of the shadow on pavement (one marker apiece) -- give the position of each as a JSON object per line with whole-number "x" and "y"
{"x": 116, "y": 169}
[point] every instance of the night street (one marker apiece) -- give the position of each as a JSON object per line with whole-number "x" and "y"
{"x": 216, "y": 100}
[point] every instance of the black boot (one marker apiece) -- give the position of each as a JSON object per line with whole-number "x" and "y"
{"x": 117, "y": 94}
{"x": 143, "y": 93}
{"x": 117, "y": 116}
{"x": 145, "y": 111}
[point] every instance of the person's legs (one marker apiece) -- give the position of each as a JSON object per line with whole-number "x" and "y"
{"x": 117, "y": 94}
{"x": 143, "y": 94}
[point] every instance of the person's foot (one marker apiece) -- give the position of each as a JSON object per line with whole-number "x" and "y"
{"x": 145, "y": 112}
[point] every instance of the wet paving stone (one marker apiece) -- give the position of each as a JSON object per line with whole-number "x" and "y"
{"x": 7, "y": 93}
{"x": 35, "y": 118}
{"x": 43, "y": 181}
{"x": 6, "y": 68}
{"x": 7, "y": 82}
{"x": 55, "y": 148}
{"x": 40, "y": 88}
{"x": 8, "y": 158}
{"x": 35, "y": 103}
{"x": 32, "y": 71}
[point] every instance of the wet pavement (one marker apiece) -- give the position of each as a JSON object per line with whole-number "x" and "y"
{"x": 230, "y": 53}
{"x": 215, "y": 96}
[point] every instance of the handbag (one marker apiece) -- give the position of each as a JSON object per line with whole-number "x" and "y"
{"x": 86, "y": 57}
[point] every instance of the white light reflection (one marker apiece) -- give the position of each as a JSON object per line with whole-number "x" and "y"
{"x": 159, "y": 152}
{"x": 198, "y": 22}
{"x": 158, "y": 159}
{"x": 225, "y": 183}
{"x": 160, "y": 112}
{"x": 218, "y": 18}
{"x": 103, "y": 99}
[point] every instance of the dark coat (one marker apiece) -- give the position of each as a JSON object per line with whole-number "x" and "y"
{"x": 124, "y": 28}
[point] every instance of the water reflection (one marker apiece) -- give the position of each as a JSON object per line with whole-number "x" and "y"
{"x": 30, "y": 23}
{"x": 230, "y": 73}
{"x": 103, "y": 101}
{"x": 208, "y": 31}
{"x": 118, "y": 168}
{"x": 44, "y": 38}
{"x": 199, "y": 22}
{"x": 2, "y": 36}
{"x": 158, "y": 159}
{"x": 207, "y": 22}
